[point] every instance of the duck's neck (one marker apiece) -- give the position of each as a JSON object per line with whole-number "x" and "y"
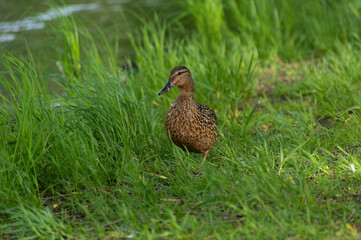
{"x": 185, "y": 95}
{"x": 186, "y": 92}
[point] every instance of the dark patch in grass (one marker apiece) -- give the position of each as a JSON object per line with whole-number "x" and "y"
{"x": 325, "y": 121}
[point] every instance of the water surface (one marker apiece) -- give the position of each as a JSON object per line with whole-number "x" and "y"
{"x": 28, "y": 21}
{"x": 30, "y": 24}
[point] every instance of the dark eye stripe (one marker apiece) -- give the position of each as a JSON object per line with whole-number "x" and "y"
{"x": 179, "y": 73}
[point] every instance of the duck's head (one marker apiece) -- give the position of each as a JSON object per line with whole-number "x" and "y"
{"x": 179, "y": 77}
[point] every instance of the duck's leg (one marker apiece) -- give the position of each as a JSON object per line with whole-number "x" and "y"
{"x": 204, "y": 156}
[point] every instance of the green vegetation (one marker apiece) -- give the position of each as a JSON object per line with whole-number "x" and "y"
{"x": 284, "y": 80}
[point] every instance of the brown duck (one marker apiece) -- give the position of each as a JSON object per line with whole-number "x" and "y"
{"x": 190, "y": 125}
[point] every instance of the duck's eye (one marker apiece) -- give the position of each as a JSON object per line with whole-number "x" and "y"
{"x": 179, "y": 73}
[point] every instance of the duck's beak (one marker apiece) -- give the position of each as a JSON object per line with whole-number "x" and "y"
{"x": 166, "y": 88}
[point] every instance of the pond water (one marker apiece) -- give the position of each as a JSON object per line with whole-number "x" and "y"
{"x": 9, "y": 28}
{"x": 28, "y": 22}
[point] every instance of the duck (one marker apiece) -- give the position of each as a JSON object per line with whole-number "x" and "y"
{"x": 189, "y": 125}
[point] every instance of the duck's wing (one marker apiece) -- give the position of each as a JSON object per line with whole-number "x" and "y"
{"x": 206, "y": 114}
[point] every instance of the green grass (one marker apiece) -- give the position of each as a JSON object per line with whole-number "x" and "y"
{"x": 95, "y": 162}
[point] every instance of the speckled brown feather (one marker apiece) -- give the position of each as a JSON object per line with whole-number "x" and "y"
{"x": 190, "y": 125}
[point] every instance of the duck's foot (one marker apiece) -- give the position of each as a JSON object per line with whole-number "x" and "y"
{"x": 204, "y": 157}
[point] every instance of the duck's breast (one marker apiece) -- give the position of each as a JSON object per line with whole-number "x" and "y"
{"x": 189, "y": 127}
